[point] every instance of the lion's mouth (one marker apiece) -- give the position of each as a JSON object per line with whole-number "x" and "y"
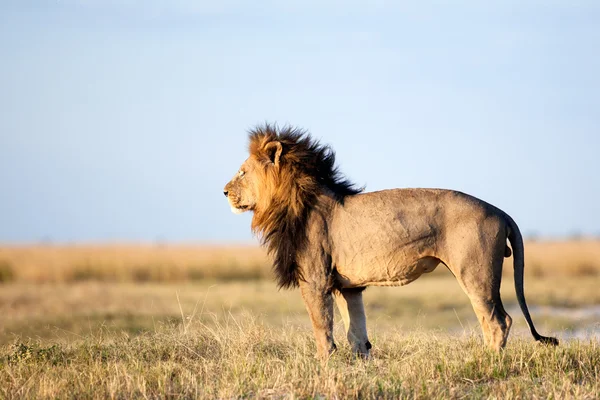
{"x": 237, "y": 208}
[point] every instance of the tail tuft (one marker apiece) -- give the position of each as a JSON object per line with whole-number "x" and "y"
{"x": 548, "y": 341}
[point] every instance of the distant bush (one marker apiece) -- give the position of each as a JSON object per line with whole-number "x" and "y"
{"x": 535, "y": 269}
{"x": 585, "y": 269}
{"x": 88, "y": 272}
{"x": 7, "y": 273}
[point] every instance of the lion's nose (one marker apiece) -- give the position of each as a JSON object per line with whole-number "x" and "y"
{"x": 225, "y": 192}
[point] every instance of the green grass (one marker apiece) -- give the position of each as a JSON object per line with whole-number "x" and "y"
{"x": 244, "y": 358}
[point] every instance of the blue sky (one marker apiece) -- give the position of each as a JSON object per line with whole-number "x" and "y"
{"x": 123, "y": 120}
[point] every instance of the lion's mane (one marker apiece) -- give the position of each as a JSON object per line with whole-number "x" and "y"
{"x": 288, "y": 193}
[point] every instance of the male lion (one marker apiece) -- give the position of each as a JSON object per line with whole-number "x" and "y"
{"x": 332, "y": 241}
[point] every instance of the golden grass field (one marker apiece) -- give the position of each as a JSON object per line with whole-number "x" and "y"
{"x": 154, "y": 321}
{"x": 173, "y": 263}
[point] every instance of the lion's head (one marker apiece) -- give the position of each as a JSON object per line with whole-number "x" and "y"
{"x": 244, "y": 189}
{"x": 280, "y": 182}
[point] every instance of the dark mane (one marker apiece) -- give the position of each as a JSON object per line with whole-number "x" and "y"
{"x": 306, "y": 170}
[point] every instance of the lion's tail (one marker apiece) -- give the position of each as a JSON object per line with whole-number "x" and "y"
{"x": 516, "y": 241}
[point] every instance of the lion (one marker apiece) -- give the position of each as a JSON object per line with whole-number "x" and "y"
{"x": 332, "y": 240}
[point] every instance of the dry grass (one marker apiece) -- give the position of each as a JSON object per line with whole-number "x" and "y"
{"x": 563, "y": 258}
{"x": 236, "y": 339}
{"x": 242, "y": 358}
{"x": 174, "y": 263}
{"x": 58, "y": 312}
{"x": 76, "y": 323}
{"x": 131, "y": 263}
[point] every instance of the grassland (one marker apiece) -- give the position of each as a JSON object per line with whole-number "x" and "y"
{"x": 240, "y": 358}
{"x": 130, "y": 263}
{"x": 116, "y": 322}
{"x": 176, "y": 263}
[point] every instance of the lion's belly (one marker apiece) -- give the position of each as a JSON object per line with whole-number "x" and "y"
{"x": 386, "y": 273}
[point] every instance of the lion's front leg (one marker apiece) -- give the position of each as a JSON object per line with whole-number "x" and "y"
{"x": 352, "y": 310}
{"x": 319, "y": 303}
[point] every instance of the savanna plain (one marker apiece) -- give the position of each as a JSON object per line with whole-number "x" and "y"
{"x": 192, "y": 321}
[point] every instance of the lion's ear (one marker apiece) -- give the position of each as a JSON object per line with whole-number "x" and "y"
{"x": 274, "y": 150}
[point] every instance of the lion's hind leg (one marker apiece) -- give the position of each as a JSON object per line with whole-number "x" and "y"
{"x": 495, "y": 322}
{"x": 352, "y": 310}
{"x": 484, "y": 294}
{"x": 477, "y": 266}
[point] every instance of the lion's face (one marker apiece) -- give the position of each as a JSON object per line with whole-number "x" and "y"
{"x": 242, "y": 189}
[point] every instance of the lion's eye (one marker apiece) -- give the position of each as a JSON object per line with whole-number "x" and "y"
{"x": 241, "y": 173}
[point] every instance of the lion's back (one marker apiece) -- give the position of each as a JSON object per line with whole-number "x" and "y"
{"x": 421, "y": 201}
{"x": 399, "y": 215}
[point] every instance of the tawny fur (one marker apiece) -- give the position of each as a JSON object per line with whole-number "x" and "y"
{"x": 332, "y": 241}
